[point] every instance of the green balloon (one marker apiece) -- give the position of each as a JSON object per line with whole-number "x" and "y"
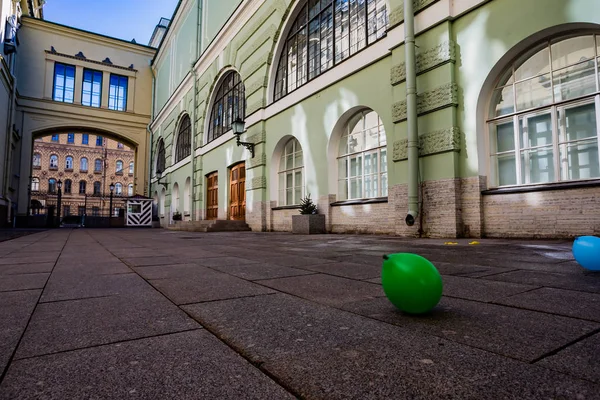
{"x": 411, "y": 282}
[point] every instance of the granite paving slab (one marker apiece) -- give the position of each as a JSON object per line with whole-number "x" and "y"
{"x": 558, "y": 301}
{"x": 579, "y": 359}
{"x": 28, "y": 258}
{"x": 347, "y": 269}
{"x": 15, "y": 310}
{"x": 19, "y": 269}
{"x": 207, "y": 286}
{"x": 223, "y": 261}
{"x": 153, "y": 260}
{"x": 582, "y": 281}
{"x": 326, "y": 289}
{"x": 481, "y": 290}
{"x": 67, "y": 286}
{"x": 257, "y": 271}
{"x": 325, "y": 353}
{"x": 521, "y": 334}
{"x": 23, "y": 282}
{"x": 92, "y": 267}
{"x": 74, "y": 324}
{"x": 188, "y": 365}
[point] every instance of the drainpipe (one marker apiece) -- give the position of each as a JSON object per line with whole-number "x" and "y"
{"x": 149, "y": 162}
{"x": 195, "y": 105}
{"x": 9, "y": 132}
{"x": 411, "y": 113}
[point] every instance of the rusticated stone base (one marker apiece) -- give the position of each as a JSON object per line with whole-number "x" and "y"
{"x": 307, "y": 224}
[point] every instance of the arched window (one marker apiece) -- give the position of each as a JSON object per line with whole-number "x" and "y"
{"x": 37, "y": 160}
{"x": 175, "y": 194}
{"x": 68, "y": 185}
{"x": 543, "y": 117}
{"x": 82, "y": 187}
{"x": 51, "y": 185}
{"x": 130, "y": 189}
{"x": 118, "y": 189}
{"x": 325, "y": 33}
{"x": 163, "y": 198}
{"x": 35, "y": 184}
{"x": 186, "y": 196}
{"x": 83, "y": 164}
{"x": 131, "y": 165}
{"x": 291, "y": 174}
{"x": 184, "y": 138}
{"x": 362, "y": 160}
{"x": 97, "y": 187}
{"x": 54, "y": 161}
{"x": 69, "y": 162}
{"x": 160, "y": 157}
{"x": 98, "y": 165}
{"x": 119, "y": 167}
{"x": 229, "y": 104}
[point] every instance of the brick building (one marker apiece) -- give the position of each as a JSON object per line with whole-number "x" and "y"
{"x": 86, "y": 165}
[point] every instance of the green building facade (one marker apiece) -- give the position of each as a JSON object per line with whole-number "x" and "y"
{"x": 508, "y": 103}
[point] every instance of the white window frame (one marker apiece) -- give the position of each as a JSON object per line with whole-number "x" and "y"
{"x": 283, "y": 171}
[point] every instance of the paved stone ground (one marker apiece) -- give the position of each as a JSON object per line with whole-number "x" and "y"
{"x": 155, "y": 314}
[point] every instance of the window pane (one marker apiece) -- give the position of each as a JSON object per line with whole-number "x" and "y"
{"x": 503, "y": 137}
{"x": 355, "y": 188}
{"x": 369, "y": 187}
{"x": 534, "y": 92}
{"x": 298, "y": 162}
{"x": 289, "y": 164}
{"x": 343, "y": 168}
{"x": 506, "y": 169}
{"x": 536, "y": 131}
{"x": 384, "y": 185}
{"x": 356, "y": 166}
{"x": 503, "y": 101}
{"x": 537, "y": 166}
{"x": 383, "y": 160}
{"x": 574, "y": 81}
{"x": 289, "y": 196}
{"x": 371, "y": 139}
{"x": 580, "y": 160}
{"x": 356, "y": 142}
{"x": 327, "y": 38}
{"x": 579, "y": 122}
{"x": 572, "y": 51}
{"x": 342, "y": 190}
{"x": 535, "y": 65}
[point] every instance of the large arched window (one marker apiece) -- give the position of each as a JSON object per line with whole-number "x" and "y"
{"x": 83, "y": 164}
{"x": 325, "y": 33}
{"x": 51, "y": 185}
{"x": 291, "y": 174}
{"x": 229, "y": 104}
{"x": 160, "y": 157}
{"x": 175, "y": 194}
{"x": 184, "y": 139}
{"x": 362, "y": 158}
{"x": 186, "y": 196}
{"x": 543, "y": 121}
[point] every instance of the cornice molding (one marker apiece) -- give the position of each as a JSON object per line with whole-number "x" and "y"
{"x": 104, "y": 64}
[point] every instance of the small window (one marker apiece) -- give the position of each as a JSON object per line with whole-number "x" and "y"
{"x": 64, "y": 83}
{"x": 51, "y": 185}
{"x": 130, "y": 189}
{"x": 70, "y": 138}
{"x": 95, "y": 211}
{"x": 118, "y": 189}
{"x": 69, "y": 162}
{"x": 96, "y": 187}
{"x": 82, "y": 187}
{"x": 54, "y": 161}
{"x": 98, "y": 165}
{"x": 117, "y": 93}
{"x": 119, "y": 167}
{"x": 83, "y": 164}
{"x": 68, "y": 186}
{"x": 37, "y": 160}
{"x": 131, "y": 165}
{"x": 35, "y": 184}
{"x": 55, "y": 138}
{"x": 99, "y": 141}
{"x": 85, "y": 138}
{"x": 91, "y": 91}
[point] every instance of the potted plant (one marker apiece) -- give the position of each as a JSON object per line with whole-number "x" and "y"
{"x": 308, "y": 221}
{"x": 177, "y": 216}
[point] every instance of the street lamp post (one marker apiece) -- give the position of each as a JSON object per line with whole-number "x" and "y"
{"x": 59, "y": 206}
{"x": 112, "y": 188}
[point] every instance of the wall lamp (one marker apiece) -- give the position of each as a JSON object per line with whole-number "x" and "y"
{"x": 238, "y": 128}
{"x": 158, "y": 176}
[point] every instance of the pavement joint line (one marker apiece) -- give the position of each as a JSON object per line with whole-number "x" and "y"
{"x": 228, "y": 298}
{"x": 466, "y": 274}
{"x": 287, "y": 276}
{"x": 37, "y": 302}
{"x": 19, "y": 290}
{"x": 546, "y": 286}
{"x": 77, "y": 299}
{"x": 569, "y": 344}
{"x": 275, "y": 379}
{"x": 23, "y": 273}
{"x": 30, "y": 244}
{"x": 494, "y": 302}
{"x": 93, "y": 346}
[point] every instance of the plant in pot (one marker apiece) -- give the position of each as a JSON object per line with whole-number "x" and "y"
{"x": 177, "y": 216}
{"x": 308, "y": 221}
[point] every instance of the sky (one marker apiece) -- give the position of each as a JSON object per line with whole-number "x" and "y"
{"x": 122, "y": 19}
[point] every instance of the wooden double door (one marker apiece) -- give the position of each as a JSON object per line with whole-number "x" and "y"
{"x": 237, "y": 193}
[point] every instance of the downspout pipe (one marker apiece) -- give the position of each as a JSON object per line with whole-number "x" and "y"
{"x": 411, "y": 114}
{"x": 194, "y": 105}
{"x": 149, "y": 129}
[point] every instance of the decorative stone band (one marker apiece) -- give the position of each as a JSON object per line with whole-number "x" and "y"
{"x": 397, "y": 14}
{"x": 430, "y": 143}
{"x": 258, "y": 160}
{"x": 256, "y": 136}
{"x": 440, "y": 97}
{"x": 440, "y": 54}
{"x": 252, "y": 108}
{"x": 256, "y": 183}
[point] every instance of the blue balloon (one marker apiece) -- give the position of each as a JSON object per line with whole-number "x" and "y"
{"x": 586, "y": 250}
